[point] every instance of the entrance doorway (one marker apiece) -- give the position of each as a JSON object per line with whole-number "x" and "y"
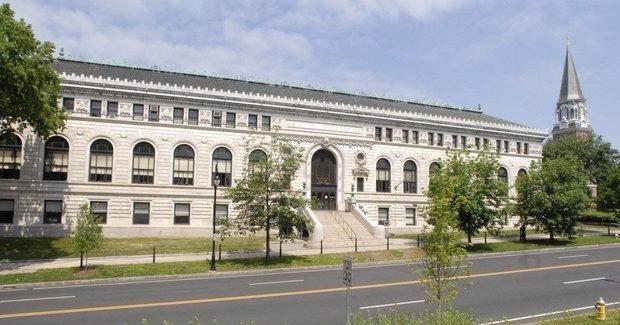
{"x": 324, "y": 180}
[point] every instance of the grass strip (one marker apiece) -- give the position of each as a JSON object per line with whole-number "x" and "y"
{"x": 176, "y": 268}
{"x": 613, "y": 317}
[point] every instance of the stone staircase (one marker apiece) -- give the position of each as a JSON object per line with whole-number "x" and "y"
{"x": 341, "y": 228}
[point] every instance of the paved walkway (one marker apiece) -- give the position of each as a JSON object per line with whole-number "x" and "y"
{"x": 296, "y": 248}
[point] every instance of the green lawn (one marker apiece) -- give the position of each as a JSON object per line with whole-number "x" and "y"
{"x": 541, "y": 243}
{"x": 613, "y": 317}
{"x": 172, "y": 268}
{"x": 12, "y": 249}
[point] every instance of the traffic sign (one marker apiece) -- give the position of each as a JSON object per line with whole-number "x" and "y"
{"x": 347, "y": 270}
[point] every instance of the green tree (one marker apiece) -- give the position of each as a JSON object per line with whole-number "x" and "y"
{"x": 523, "y": 203}
{"x": 609, "y": 192}
{"x": 553, "y": 194}
{"x": 444, "y": 255}
{"x": 598, "y": 157}
{"x": 29, "y": 86}
{"x": 264, "y": 197}
{"x": 480, "y": 196}
{"x": 87, "y": 233}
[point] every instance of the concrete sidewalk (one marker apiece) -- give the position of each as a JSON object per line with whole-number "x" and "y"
{"x": 296, "y": 248}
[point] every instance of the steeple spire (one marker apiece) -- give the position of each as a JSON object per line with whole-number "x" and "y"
{"x": 570, "y": 89}
{"x": 571, "y": 111}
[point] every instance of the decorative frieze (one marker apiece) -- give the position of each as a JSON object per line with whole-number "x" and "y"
{"x": 81, "y": 105}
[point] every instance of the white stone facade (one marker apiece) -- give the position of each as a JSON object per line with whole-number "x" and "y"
{"x": 343, "y": 129}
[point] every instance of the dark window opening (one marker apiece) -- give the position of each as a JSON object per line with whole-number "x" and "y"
{"x": 141, "y": 213}
{"x": 95, "y": 108}
{"x": 52, "y": 212}
{"x": 56, "y": 159}
{"x": 10, "y": 156}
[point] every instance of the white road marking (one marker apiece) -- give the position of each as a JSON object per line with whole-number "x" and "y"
{"x": 546, "y": 314}
{"x": 34, "y": 299}
{"x": 275, "y": 282}
{"x": 572, "y": 256}
{"x": 584, "y": 280}
{"x": 393, "y": 304}
{"x": 12, "y": 290}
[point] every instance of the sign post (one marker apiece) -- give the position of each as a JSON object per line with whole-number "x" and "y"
{"x": 347, "y": 274}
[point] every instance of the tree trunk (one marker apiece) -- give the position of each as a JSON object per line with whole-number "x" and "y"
{"x": 469, "y": 237}
{"x": 523, "y": 233}
{"x": 267, "y": 247}
{"x": 86, "y": 261}
{"x": 551, "y": 237}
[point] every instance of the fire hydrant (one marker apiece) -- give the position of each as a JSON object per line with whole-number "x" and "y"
{"x": 600, "y": 309}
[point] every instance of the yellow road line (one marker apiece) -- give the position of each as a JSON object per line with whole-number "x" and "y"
{"x": 279, "y": 294}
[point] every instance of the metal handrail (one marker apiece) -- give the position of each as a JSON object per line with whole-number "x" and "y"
{"x": 345, "y": 226}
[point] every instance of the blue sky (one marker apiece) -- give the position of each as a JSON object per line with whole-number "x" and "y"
{"x": 504, "y": 55}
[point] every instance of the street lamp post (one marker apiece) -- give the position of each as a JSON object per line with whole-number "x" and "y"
{"x": 216, "y": 182}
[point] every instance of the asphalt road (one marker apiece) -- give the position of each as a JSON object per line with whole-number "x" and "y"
{"x": 501, "y": 287}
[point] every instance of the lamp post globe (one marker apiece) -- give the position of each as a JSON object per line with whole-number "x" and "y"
{"x": 216, "y": 182}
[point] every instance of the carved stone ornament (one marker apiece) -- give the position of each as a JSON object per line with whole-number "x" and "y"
{"x": 125, "y": 109}
{"x": 79, "y": 131}
{"x": 360, "y": 171}
{"x": 360, "y": 158}
{"x": 123, "y": 134}
{"x": 326, "y": 143}
{"x": 81, "y": 105}
{"x": 165, "y": 113}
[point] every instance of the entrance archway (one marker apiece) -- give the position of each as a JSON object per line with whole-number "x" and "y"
{"x": 324, "y": 180}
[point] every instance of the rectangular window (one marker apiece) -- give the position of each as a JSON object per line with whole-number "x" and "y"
{"x": 506, "y": 146}
{"x": 405, "y": 136}
{"x": 360, "y": 184}
{"x": 154, "y": 113}
{"x": 231, "y": 120}
{"x": 266, "y": 123}
{"x": 477, "y": 143}
{"x": 431, "y": 139}
{"x": 192, "y": 117}
{"x": 7, "y": 210}
{"x": 498, "y": 145}
{"x": 68, "y": 104}
{"x": 526, "y": 148}
{"x": 463, "y": 142}
{"x": 141, "y": 213}
{"x": 485, "y": 143}
{"x": 138, "y": 112}
{"x": 52, "y": 211}
{"x": 410, "y": 217}
{"x": 95, "y": 108}
{"x": 455, "y": 141}
{"x": 178, "y": 115}
{"x": 216, "y": 119}
{"x": 388, "y": 134}
{"x": 181, "y": 213}
{"x": 221, "y": 214}
{"x": 440, "y": 139}
{"x": 378, "y": 134}
{"x": 252, "y": 121}
{"x": 414, "y": 137}
{"x": 100, "y": 209}
{"x": 112, "y": 109}
{"x": 519, "y": 147}
{"x": 384, "y": 216}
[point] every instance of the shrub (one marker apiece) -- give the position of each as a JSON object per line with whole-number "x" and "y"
{"x": 598, "y": 217}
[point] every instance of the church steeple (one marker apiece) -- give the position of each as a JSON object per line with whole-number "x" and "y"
{"x": 570, "y": 90}
{"x": 571, "y": 109}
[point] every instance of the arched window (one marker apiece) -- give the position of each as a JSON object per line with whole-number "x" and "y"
{"x": 522, "y": 171}
{"x": 101, "y": 153}
{"x": 383, "y": 175}
{"x": 410, "y": 177}
{"x": 255, "y": 157}
{"x": 10, "y": 156}
{"x": 222, "y": 164}
{"x": 56, "y": 159}
{"x": 433, "y": 168}
{"x": 502, "y": 175}
{"x": 143, "y": 171}
{"x": 183, "y": 165}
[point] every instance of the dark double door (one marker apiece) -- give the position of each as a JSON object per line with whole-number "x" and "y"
{"x": 324, "y": 180}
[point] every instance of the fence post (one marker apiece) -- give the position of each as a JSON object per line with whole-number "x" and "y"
{"x": 418, "y": 240}
{"x": 153, "y": 254}
{"x": 485, "y": 237}
{"x": 81, "y": 260}
{"x": 356, "y": 244}
{"x": 219, "y": 256}
{"x": 321, "y": 246}
{"x": 280, "y": 248}
{"x": 388, "y": 242}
